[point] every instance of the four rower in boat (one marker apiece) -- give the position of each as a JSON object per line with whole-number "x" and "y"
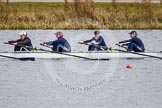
{"x": 59, "y": 45}
{"x": 97, "y": 43}
{"x": 134, "y": 44}
{"x": 20, "y": 44}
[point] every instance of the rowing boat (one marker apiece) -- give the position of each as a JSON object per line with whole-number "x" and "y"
{"x": 44, "y": 55}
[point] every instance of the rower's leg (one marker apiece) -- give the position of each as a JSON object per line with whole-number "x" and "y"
{"x": 136, "y": 48}
{"x": 61, "y": 48}
{"x": 17, "y": 48}
{"x": 130, "y": 47}
{"x": 91, "y": 48}
{"x": 54, "y": 48}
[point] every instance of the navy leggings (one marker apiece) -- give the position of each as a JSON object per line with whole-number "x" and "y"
{"x": 134, "y": 47}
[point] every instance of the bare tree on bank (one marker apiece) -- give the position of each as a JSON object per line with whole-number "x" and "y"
{"x": 66, "y": 5}
{"x": 115, "y": 6}
{"x": 147, "y": 9}
{"x": 84, "y": 8}
{"x": 1, "y": 8}
{"x": 161, "y": 3}
{"x": 4, "y": 9}
{"x": 7, "y": 10}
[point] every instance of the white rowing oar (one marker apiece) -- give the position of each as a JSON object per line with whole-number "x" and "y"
{"x": 135, "y": 53}
{"x": 37, "y": 49}
{"x": 22, "y": 59}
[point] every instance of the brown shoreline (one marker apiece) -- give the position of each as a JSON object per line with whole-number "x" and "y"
{"x": 36, "y": 15}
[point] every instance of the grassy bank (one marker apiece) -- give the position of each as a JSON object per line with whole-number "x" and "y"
{"x": 80, "y": 15}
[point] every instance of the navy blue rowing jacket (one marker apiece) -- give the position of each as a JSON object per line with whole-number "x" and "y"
{"x": 99, "y": 41}
{"x": 96, "y": 43}
{"x": 60, "y": 45}
{"x": 24, "y": 42}
{"x": 135, "y": 40}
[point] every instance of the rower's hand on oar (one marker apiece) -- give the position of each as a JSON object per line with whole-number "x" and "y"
{"x": 6, "y": 42}
{"x": 43, "y": 44}
{"x": 125, "y": 46}
{"x": 118, "y": 44}
{"x": 80, "y": 42}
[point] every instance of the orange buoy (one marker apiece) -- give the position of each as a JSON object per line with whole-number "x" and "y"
{"x": 129, "y": 66}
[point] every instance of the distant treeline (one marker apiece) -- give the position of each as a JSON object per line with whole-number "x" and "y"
{"x": 81, "y": 14}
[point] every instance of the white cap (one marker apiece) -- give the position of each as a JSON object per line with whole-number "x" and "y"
{"x": 23, "y": 33}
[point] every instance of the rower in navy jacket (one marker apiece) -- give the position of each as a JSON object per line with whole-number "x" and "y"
{"x": 20, "y": 44}
{"x": 134, "y": 44}
{"x": 59, "y": 45}
{"x": 97, "y": 43}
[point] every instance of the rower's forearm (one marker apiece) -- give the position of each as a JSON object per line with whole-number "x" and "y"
{"x": 13, "y": 41}
{"x": 125, "y": 41}
{"x": 23, "y": 42}
{"x": 87, "y": 41}
{"x": 49, "y": 43}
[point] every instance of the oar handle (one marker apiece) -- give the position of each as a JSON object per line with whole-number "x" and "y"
{"x": 122, "y": 46}
{"x": 42, "y": 44}
{"x": 45, "y": 45}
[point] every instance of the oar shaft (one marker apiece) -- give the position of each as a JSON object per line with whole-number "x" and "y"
{"x": 63, "y": 53}
{"x": 45, "y": 45}
{"x": 8, "y": 57}
{"x": 138, "y": 53}
{"x": 60, "y": 52}
{"x": 56, "y": 52}
{"x": 68, "y": 54}
{"x": 23, "y": 59}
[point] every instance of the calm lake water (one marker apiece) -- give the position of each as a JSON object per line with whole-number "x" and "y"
{"x": 78, "y": 83}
